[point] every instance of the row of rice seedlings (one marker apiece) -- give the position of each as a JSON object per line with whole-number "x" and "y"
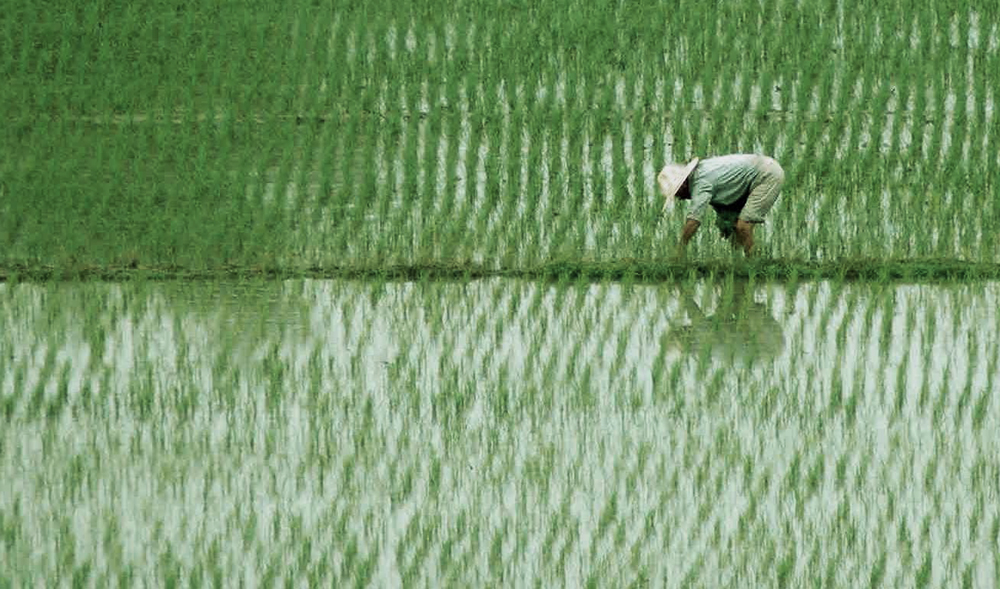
{"x": 526, "y": 227}
{"x": 331, "y": 164}
{"x": 762, "y": 103}
{"x": 607, "y": 98}
{"x": 495, "y": 170}
{"x": 367, "y": 41}
{"x": 467, "y": 155}
{"x": 512, "y": 184}
{"x": 569, "y": 192}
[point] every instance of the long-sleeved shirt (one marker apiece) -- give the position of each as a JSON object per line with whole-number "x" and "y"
{"x": 721, "y": 181}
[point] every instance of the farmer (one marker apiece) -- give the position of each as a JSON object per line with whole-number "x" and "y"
{"x": 741, "y": 188}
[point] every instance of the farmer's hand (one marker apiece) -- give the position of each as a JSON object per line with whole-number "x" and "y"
{"x": 687, "y": 232}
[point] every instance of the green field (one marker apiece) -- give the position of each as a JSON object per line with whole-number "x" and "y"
{"x": 304, "y": 134}
{"x": 305, "y": 294}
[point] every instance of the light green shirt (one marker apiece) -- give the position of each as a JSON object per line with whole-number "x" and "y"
{"x": 721, "y": 181}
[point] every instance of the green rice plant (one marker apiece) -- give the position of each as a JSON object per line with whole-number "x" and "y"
{"x": 880, "y": 97}
{"x": 679, "y": 134}
{"x": 982, "y": 92}
{"x": 389, "y": 144}
{"x": 468, "y": 200}
{"x": 934, "y": 140}
{"x": 411, "y": 158}
{"x": 315, "y": 75}
{"x": 331, "y": 164}
{"x": 919, "y": 113}
{"x": 536, "y": 212}
{"x": 510, "y": 183}
{"x": 956, "y": 156}
{"x": 497, "y": 175}
{"x": 445, "y": 206}
{"x": 638, "y": 217}
{"x": 433, "y": 165}
{"x": 765, "y": 82}
{"x": 486, "y": 207}
{"x": 603, "y": 188}
{"x": 571, "y": 178}
{"x": 826, "y": 119}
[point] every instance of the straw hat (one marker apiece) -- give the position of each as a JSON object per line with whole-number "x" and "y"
{"x": 671, "y": 177}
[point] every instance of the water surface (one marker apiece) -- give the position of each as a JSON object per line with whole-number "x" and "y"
{"x": 499, "y": 431}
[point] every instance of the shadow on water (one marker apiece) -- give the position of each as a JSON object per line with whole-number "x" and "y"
{"x": 740, "y": 327}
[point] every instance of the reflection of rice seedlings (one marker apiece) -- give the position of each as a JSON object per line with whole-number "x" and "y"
{"x": 981, "y": 408}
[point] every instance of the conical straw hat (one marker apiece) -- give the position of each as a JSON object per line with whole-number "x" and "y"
{"x": 671, "y": 177}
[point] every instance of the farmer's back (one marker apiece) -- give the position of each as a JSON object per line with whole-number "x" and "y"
{"x": 722, "y": 181}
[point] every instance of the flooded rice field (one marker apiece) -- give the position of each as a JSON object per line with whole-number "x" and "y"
{"x": 499, "y": 432}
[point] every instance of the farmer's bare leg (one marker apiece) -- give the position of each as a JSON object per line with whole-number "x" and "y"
{"x": 743, "y": 236}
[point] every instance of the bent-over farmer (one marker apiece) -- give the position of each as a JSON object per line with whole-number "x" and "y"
{"x": 741, "y": 188}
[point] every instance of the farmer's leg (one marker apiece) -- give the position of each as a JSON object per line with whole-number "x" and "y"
{"x": 764, "y": 191}
{"x": 743, "y": 236}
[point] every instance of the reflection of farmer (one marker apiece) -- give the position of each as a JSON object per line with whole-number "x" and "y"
{"x": 741, "y": 189}
{"x": 740, "y": 328}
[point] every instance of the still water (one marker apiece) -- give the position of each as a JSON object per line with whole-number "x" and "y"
{"x": 499, "y": 432}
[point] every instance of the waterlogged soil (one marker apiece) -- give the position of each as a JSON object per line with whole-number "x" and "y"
{"x": 499, "y": 431}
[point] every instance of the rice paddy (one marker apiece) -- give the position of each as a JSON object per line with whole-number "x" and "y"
{"x": 499, "y": 432}
{"x": 310, "y": 135}
{"x": 311, "y": 294}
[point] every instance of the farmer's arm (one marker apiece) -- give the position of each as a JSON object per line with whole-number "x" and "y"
{"x": 701, "y": 193}
{"x": 688, "y": 231}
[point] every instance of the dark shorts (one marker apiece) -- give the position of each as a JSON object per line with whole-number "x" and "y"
{"x": 727, "y": 215}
